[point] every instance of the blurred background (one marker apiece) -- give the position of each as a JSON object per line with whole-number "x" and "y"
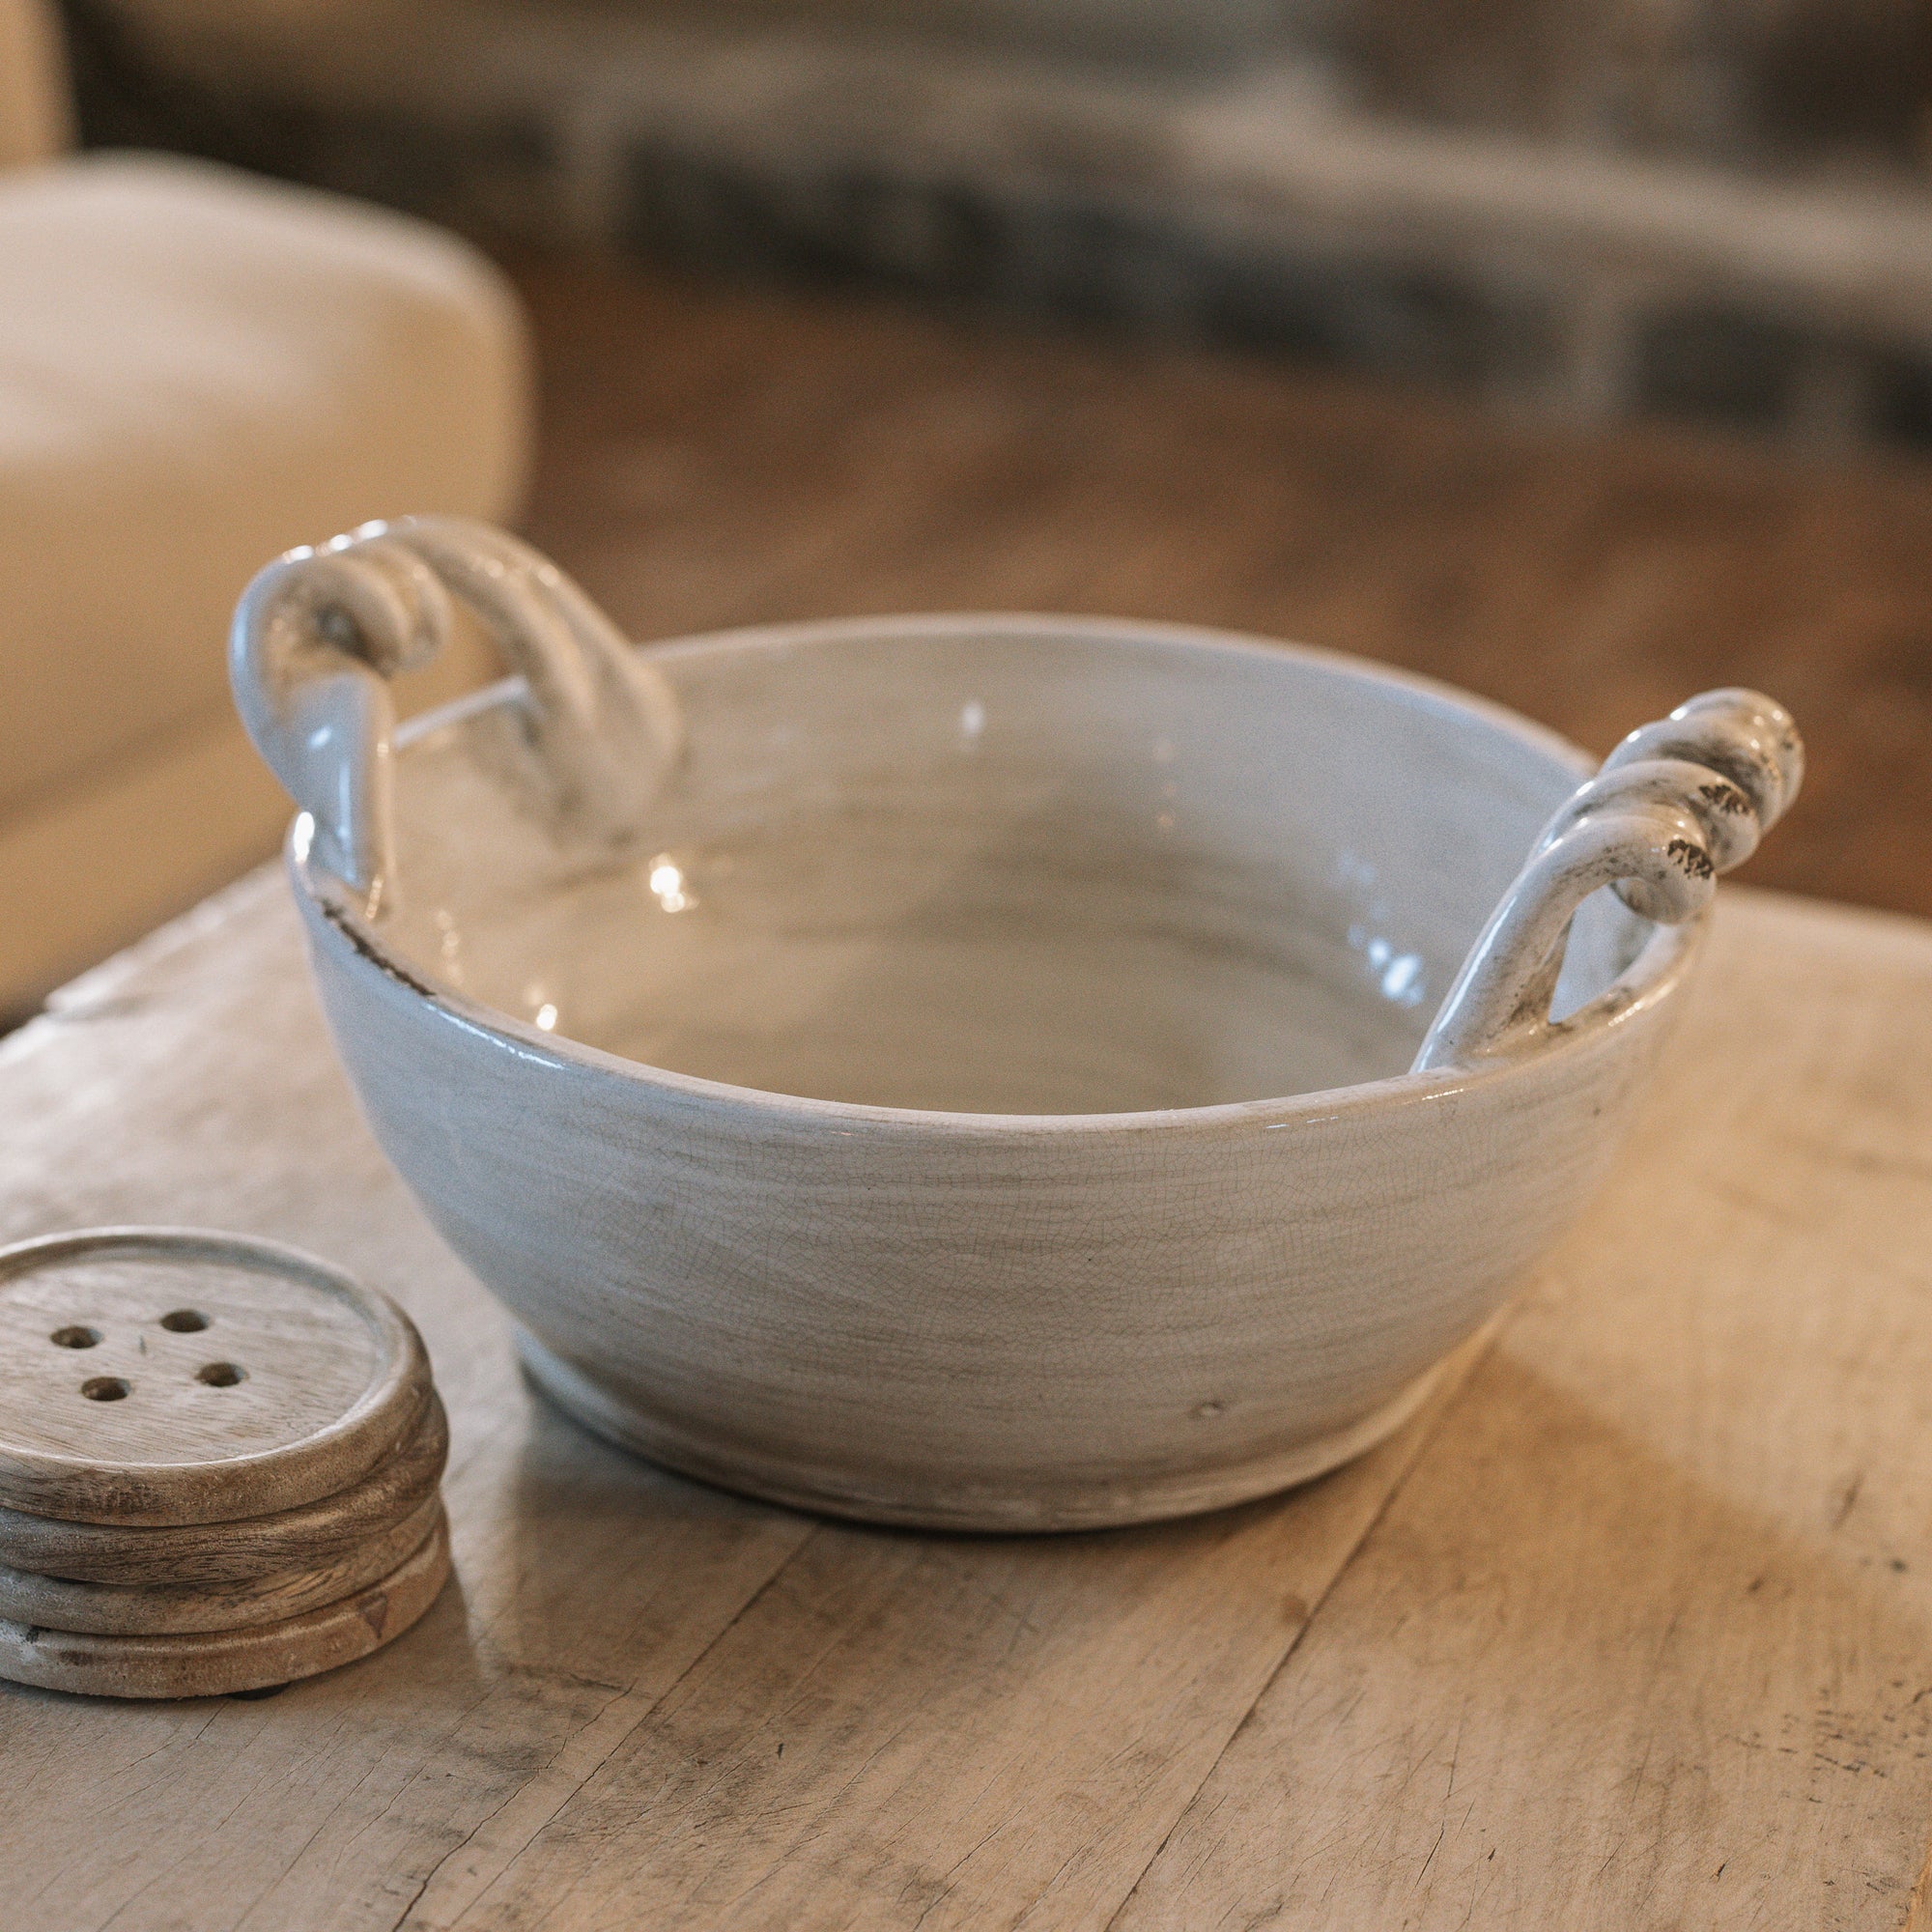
{"x": 1577, "y": 350}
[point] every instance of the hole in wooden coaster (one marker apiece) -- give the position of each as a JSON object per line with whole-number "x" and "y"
{"x": 184, "y": 1321}
{"x": 105, "y": 1389}
{"x": 221, "y": 1374}
{"x": 75, "y": 1336}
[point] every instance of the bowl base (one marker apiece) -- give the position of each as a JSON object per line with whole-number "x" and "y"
{"x": 1091, "y": 1505}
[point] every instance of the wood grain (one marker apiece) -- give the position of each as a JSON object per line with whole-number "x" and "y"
{"x": 715, "y": 455}
{"x": 983, "y": 1729}
{"x": 216, "y": 1663}
{"x": 166, "y": 1609}
{"x": 1647, "y": 1639}
{"x": 224, "y": 1552}
{"x": 915, "y": 1730}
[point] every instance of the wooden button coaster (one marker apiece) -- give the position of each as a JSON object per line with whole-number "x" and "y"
{"x": 160, "y": 1376}
{"x": 219, "y": 1462}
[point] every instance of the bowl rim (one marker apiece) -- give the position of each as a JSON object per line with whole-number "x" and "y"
{"x": 1661, "y": 963}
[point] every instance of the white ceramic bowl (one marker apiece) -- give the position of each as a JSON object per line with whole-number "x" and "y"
{"x": 958, "y": 1070}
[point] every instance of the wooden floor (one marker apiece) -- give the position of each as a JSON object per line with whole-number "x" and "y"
{"x": 717, "y": 455}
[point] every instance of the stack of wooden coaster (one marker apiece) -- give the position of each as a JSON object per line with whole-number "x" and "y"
{"x": 219, "y": 1462}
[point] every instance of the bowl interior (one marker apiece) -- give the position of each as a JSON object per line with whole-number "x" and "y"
{"x": 998, "y": 865}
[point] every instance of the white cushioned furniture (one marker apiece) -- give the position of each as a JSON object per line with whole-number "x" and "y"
{"x": 197, "y": 370}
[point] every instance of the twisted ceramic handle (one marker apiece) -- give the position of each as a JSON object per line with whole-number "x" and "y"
{"x": 1677, "y": 803}
{"x": 319, "y": 633}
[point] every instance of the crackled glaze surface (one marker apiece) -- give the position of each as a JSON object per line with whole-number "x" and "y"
{"x": 978, "y": 1096}
{"x": 975, "y": 1070}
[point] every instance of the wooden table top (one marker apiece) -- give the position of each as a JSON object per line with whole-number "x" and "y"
{"x": 1630, "y": 1629}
